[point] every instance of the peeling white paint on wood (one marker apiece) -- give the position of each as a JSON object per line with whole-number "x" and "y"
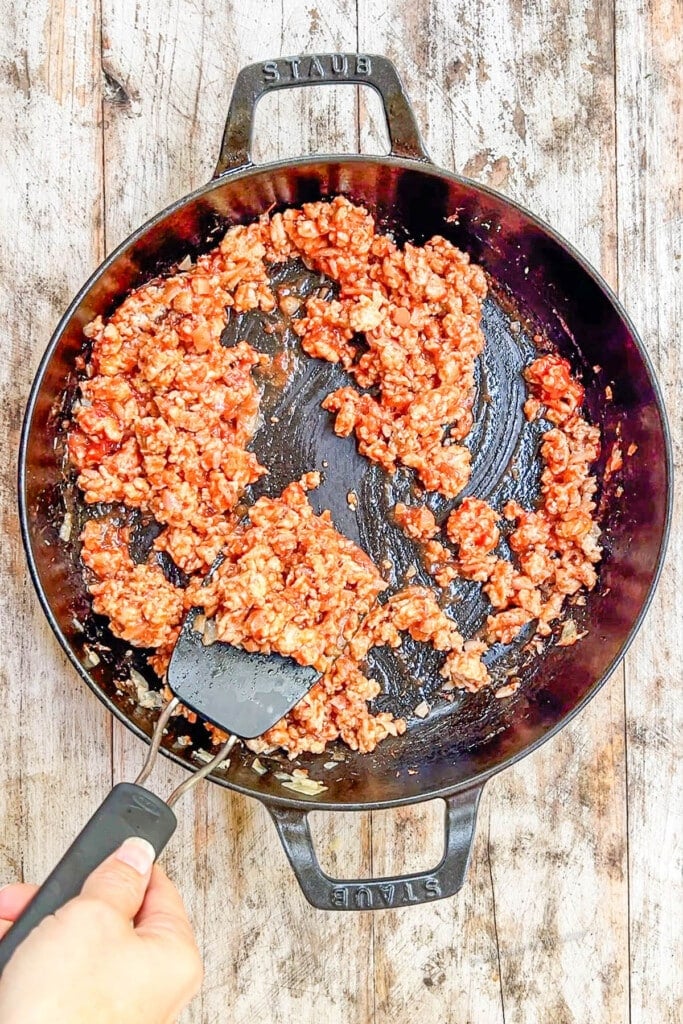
{"x": 572, "y": 907}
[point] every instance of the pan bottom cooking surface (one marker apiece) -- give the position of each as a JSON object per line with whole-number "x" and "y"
{"x": 296, "y": 436}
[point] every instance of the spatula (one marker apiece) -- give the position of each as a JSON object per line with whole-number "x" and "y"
{"x": 244, "y": 694}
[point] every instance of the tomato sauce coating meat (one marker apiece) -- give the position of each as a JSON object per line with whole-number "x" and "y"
{"x": 165, "y": 415}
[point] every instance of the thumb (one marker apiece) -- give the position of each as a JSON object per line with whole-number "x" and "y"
{"x": 13, "y": 902}
{"x": 122, "y": 879}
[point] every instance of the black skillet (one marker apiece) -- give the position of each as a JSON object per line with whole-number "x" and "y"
{"x": 538, "y": 284}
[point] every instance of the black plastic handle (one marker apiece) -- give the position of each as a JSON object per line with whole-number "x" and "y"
{"x": 327, "y": 893}
{"x": 256, "y": 80}
{"x": 129, "y": 810}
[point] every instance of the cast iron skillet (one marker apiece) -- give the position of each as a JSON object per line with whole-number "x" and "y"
{"x": 539, "y": 285}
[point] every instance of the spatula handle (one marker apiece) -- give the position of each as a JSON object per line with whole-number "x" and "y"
{"x": 129, "y": 810}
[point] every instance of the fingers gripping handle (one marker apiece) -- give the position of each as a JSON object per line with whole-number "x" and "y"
{"x": 256, "y": 80}
{"x": 129, "y": 810}
{"x": 381, "y": 893}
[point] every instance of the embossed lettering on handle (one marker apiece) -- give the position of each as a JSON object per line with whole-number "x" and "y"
{"x": 256, "y": 80}
{"x": 326, "y": 67}
{"x": 327, "y": 893}
{"x": 383, "y": 895}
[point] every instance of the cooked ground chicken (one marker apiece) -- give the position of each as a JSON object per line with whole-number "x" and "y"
{"x": 419, "y": 310}
{"x": 555, "y": 546}
{"x": 417, "y": 522}
{"x": 165, "y": 415}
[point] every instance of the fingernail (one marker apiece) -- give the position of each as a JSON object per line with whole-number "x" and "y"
{"x": 138, "y": 854}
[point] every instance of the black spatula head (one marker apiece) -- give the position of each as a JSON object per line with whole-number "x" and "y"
{"x": 242, "y": 693}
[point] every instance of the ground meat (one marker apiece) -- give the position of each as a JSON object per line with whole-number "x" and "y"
{"x": 504, "y": 626}
{"x": 473, "y": 529}
{"x": 143, "y": 608}
{"x": 417, "y": 522}
{"x": 551, "y": 383}
{"x": 439, "y": 562}
{"x": 289, "y": 583}
{"x": 555, "y": 547}
{"x": 419, "y": 309}
{"x": 335, "y": 708}
{"x": 165, "y": 415}
{"x": 166, "y": 412}
{"x": 465, "y": 669}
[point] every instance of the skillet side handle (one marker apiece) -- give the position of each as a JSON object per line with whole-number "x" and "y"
{"x": 327, "y": 893}
{"x": 256, "y": 80}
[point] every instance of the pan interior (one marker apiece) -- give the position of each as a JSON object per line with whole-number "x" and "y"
{"x": 296, "y": 435}
{"x": 535, "y": 286}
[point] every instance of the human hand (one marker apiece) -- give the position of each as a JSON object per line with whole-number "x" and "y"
{"x": 120, "y": 953}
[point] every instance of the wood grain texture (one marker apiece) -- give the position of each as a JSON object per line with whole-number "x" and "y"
{"x": 649, "y": 39}
{"x": 572, "y": 907}
{"x": 50, "y": 238}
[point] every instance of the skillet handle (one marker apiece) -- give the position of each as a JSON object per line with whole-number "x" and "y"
{"x": 256, "y": 80}
{"x": 327, "y": 893}
{"x": 129, "y": 810}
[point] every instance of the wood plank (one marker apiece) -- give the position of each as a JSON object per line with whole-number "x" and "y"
{"x": 54, "y": 735}
{"x": 264, "y": 946}
{"x": 649, "y": 43}
{"x": 439, "y": 956}
{"x": 519, "y": 96}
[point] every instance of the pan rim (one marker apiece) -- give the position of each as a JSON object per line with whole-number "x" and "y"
{"x": 432, "y": 170}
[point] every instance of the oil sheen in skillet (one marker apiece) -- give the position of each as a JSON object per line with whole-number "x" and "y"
{"x": 296, "y": 435}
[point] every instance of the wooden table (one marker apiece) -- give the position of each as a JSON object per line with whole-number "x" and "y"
{"x": 572, "y": 907}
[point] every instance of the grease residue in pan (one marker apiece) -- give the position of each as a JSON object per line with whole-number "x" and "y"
{"x": 295, "y": 435}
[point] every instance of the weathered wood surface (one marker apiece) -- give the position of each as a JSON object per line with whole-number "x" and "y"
{"x": 572, "y": 907}
{"x": 54, "y": 736}
{"x": 649, "y": 41}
